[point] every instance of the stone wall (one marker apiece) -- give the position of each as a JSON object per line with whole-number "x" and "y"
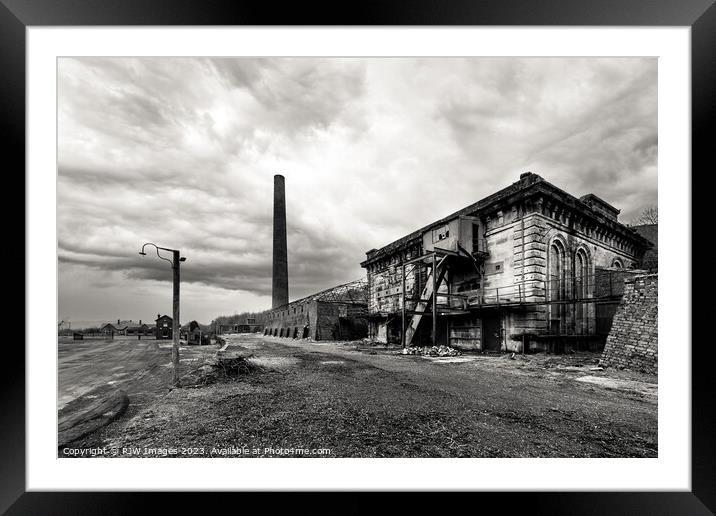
{"x": 339, "y": 321}
{"x": 633, "y": 340}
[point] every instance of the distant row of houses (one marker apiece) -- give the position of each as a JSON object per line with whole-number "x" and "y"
{"x": 248, "y": 325}
{"x": 161, "y": 328}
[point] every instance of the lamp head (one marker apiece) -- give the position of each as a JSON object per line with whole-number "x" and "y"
{"x": 142, "y": 253}
{"x": 182, "y": 259}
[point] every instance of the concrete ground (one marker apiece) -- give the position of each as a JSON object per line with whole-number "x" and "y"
{"x": 123, "y": 363}
{"x": 360, "y": 400}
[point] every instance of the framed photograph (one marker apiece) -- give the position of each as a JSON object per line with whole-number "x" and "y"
{"x": 416, "y": 249}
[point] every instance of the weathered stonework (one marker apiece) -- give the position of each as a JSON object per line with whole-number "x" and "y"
{"x": 633, "y": 340}
{"x": 522, "y": 266}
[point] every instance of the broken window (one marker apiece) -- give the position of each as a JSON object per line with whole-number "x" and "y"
{"x": 494, "y": 268}
{"x": 476, "y": 237}
{"x": 441, "y": 233}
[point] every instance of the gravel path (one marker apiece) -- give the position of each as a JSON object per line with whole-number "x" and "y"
{"x": 356, "y": 400}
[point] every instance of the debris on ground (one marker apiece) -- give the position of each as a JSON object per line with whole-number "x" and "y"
{"x": 222, "y": 367}
{"x": 433, "y": 351}
{"x": 236, "y": 366}
{"x": 549, "y": 363}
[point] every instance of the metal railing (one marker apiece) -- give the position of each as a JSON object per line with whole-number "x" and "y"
{"x": 595, "y": 287}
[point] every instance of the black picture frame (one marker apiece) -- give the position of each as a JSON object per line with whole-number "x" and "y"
{"x": 700, "y": 15}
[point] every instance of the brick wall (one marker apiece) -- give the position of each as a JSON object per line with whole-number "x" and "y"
{"x": 633, "y": 340}
{"x": 322, "y": 318}
{"x": 291, "y": 319}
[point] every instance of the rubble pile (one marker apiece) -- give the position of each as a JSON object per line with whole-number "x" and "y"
{"x": 433, "y": 351}
{"x": 235, "y": 366}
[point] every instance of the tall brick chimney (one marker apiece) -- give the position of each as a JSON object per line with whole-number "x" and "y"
{"x": 279, "y": 288}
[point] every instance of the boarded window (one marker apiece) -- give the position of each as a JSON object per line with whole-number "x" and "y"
{"x": 494, "y": 267}
{"x": 441, "y": 233}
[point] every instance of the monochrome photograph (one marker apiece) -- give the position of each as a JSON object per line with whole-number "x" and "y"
{"x": 342, "y": 257}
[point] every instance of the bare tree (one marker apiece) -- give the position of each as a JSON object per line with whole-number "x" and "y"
{"x": 649, "y": 215}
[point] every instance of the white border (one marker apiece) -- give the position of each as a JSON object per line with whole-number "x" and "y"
{"x": 671, "y": 470}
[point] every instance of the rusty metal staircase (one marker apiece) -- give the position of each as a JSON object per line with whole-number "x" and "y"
{"x": 426, "y": 300}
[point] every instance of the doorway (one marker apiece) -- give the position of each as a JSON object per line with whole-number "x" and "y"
{"x": 492, "y": 332}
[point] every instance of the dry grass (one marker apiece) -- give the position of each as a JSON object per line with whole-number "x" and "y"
{"x": 296, "y": 398}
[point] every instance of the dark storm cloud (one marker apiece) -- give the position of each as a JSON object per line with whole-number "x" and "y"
{"x": 182, "y": 151}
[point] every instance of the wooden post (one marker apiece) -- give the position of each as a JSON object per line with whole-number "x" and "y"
{"x": 402, "y": 335}
{"x": 175, "y": 321}
{"x": 449, "y": 292}
{"x": 435, "y": 303}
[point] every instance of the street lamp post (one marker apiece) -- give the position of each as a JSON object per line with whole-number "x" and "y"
{"x": 175, "y": 261}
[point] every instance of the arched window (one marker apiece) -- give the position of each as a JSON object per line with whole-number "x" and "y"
{"x": 581, "y": 274}
{"x": 556, "y": 285}
{"x": 617, "y": 263}
{"x": 581, "y": 290}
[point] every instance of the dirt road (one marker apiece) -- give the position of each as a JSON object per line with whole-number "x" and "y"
{"x": 352, "y": 400}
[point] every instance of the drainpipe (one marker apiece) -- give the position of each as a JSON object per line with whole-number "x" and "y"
{"x": 523, "y": 248}
{"x": 435, "y": 304}
{"x": 403, "y": 309}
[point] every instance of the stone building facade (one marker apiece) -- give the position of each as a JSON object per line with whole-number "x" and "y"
{"x": 634, "y": 336}
{"x": 520, "y": 269}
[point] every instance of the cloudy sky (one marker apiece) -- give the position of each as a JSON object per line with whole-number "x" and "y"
{"x": 182, "y": 152}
